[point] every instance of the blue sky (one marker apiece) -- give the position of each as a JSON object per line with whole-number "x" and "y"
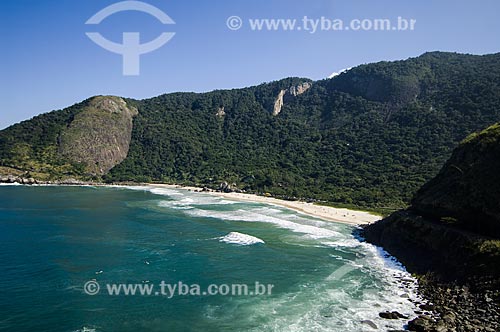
{"x": 47, "y": 62}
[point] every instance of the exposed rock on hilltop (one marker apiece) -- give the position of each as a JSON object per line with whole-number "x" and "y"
{"x": 99, "y": 136}
{"x": 82, "y": 141}
{"x": 299, "y": 89}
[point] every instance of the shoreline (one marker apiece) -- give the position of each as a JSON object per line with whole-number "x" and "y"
{"x": 328, "y": 213}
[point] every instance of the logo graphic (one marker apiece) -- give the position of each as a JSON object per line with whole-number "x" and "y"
{"x": 131, "y": 49}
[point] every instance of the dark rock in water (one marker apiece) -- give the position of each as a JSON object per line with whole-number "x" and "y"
{"x": 391, "y": 315}
{"x": 449, "y": 317}
{"x": 427, "y": 307}
{"x": 370, "y": 323}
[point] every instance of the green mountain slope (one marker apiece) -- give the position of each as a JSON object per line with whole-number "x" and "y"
{"x": 371, "y": 136}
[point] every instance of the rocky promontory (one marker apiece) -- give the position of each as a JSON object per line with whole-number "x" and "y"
{"x": 450, "y": 238}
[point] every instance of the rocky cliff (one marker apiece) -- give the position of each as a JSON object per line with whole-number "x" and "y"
{"x": 467, "y": 190}
{"x": 450, "y": 236}
{"x": 453, "y": 225}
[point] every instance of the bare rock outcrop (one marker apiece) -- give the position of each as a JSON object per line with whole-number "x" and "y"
{"x": 220, "y": 112}
{"x": 278, "y": 104}
{"x": 291, "y": 92}
{"x": 299, "y": 89}
{"x": 99, "y": 136}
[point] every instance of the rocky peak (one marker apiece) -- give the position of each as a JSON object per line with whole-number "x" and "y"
{"x": 112, "y": 104}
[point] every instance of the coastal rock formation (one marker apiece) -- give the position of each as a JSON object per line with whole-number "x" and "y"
{"x": 453, "y": 224}
{"x": 467, "y": 190}
{"x": 451, "y": 234}
{"x": 99, "y": 136}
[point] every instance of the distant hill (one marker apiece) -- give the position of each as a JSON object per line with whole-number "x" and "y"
{"x": 370, "y": 136}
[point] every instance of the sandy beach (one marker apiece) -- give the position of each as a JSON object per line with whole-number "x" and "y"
{"x": 328, "y": 213}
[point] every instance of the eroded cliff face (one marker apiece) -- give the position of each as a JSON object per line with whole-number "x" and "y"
{"x": 99, "y": 136}
{"x": 289, "y": 93}
{"x": 278, "y": 104}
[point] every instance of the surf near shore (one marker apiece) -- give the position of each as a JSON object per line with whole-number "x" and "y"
{"x": 328, "y": 213}
{"x": 341, "y": 215}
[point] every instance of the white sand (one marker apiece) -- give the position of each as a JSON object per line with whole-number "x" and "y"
{"x": 345, "y": 216}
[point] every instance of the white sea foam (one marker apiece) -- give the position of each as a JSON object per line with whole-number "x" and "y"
{"x": 240, "y": 238}
{"x": 268, "y": 215}
{"x": 86, "y": 329}
{"x": 191, "y": 202}
{"x": 165, "y": 192}
{"x": 341, "y": 302}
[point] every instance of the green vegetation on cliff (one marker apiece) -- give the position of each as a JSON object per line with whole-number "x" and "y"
{"x": 84, "y": 140}
{"x": 466, "y": 192}
{"x": 452, "y": 227}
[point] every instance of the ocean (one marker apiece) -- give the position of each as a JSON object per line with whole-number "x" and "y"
{"x": 63, "y": 248}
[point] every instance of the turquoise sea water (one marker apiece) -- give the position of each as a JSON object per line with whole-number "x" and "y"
{"x": 55, "y": 239}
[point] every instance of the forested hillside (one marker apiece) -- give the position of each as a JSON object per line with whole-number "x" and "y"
{"x": 370, "y": 136}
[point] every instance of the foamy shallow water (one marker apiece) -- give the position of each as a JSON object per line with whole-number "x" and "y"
{"x": 324, "y": 278}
